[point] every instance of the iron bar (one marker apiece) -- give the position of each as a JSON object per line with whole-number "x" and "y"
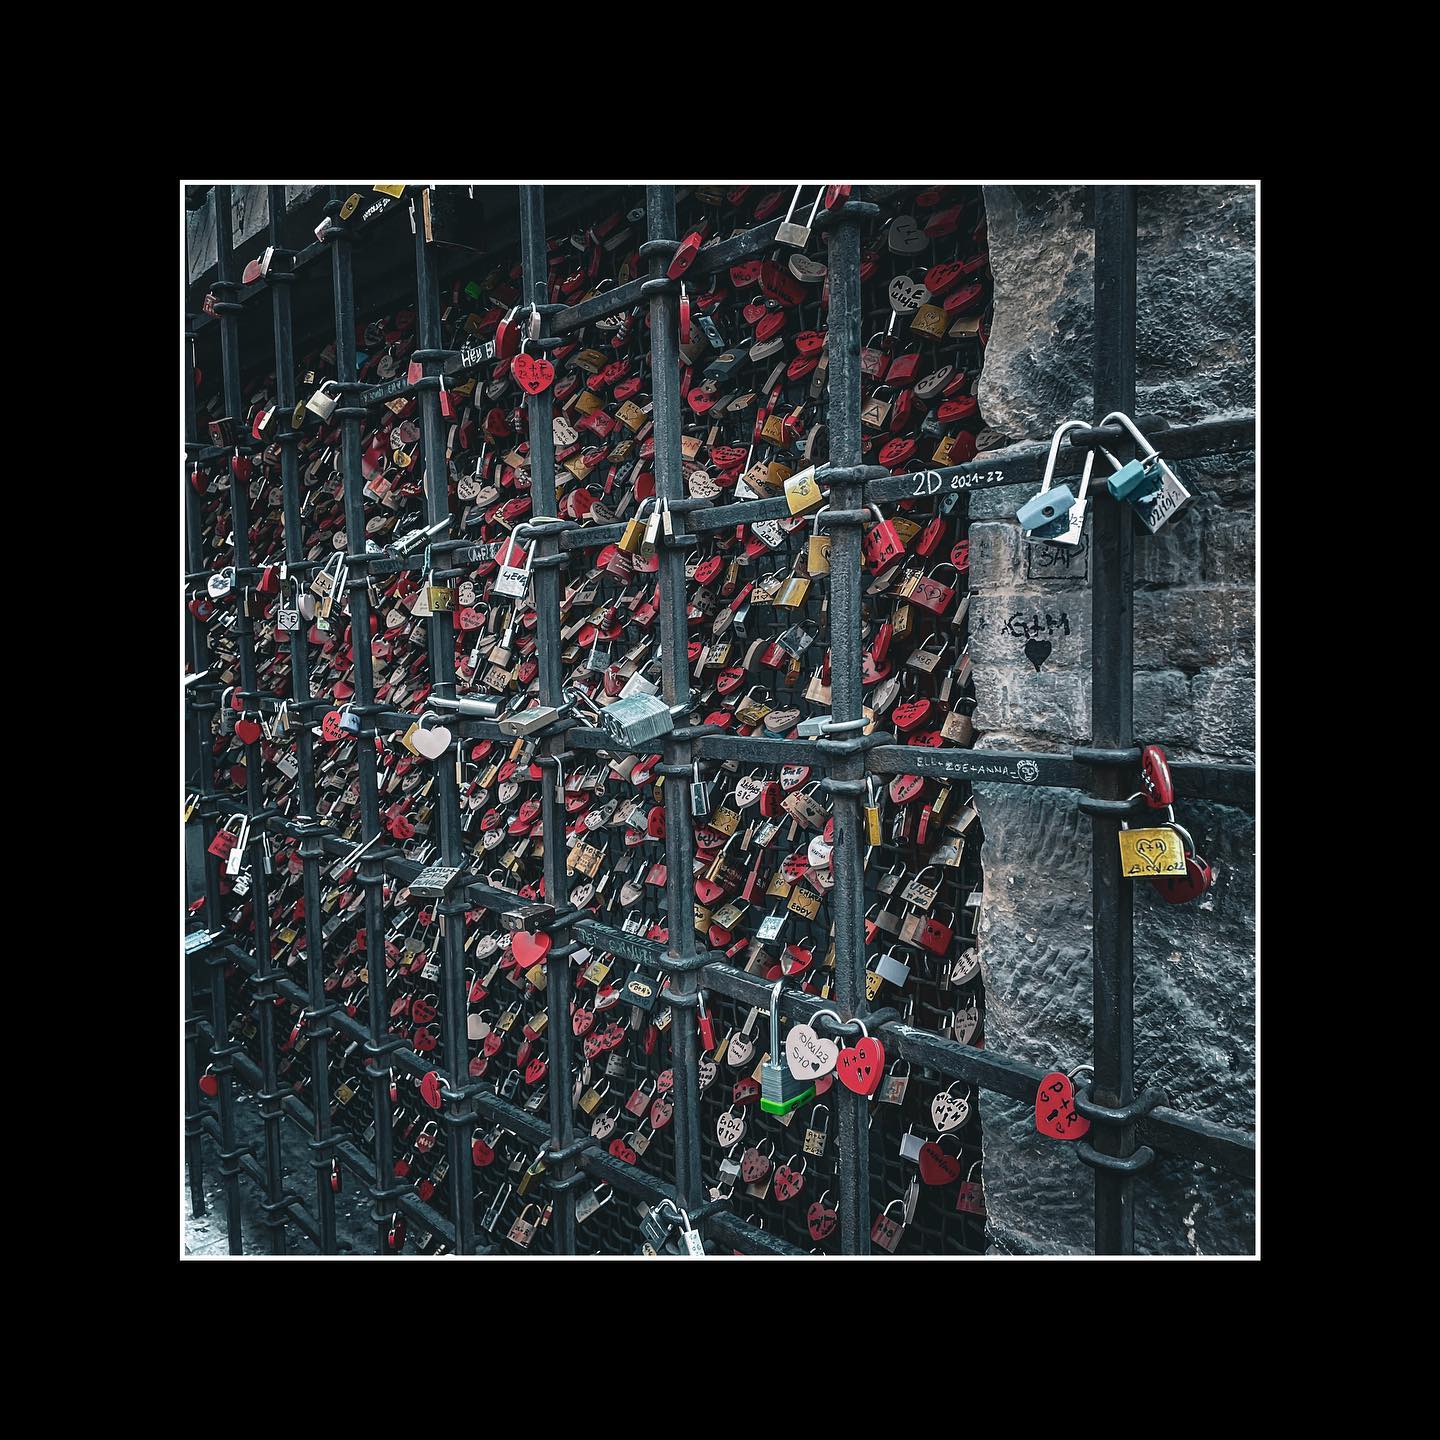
{"x": 304, "y": 742}
{"x": 440, "y": 638}
{"x": 1111, "y": 721}
{"x": 675, "y": 666}
{"x": 370, "y": 877}
{"x": 559, "y": 986}
{"x": 846, "y": 618}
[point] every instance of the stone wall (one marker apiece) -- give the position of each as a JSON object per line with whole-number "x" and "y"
{"x": 249, "y": 215}
{"x": 1194, "y": 616}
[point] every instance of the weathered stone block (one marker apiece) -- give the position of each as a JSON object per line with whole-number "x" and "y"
{"x": 1163, "y": 711}
{"x": 994, "y": 555}
{"x": 1228, "y": 547}
{"x": 1224, "y": 703}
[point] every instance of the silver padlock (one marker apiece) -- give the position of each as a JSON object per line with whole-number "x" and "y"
{"x": 790, "y": 233}
{"x": 514, "y": 580}
{"x": 636, "y": 720}
{"x": 888, "y": 968}
{"x": 1172, "y": 497}
{"x": 323, "y": 402}
{"x": 220, "y": 584}
{"x": 700, "y": 795}
{"x": 1074, "y": 519}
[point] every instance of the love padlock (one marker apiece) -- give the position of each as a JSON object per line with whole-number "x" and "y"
{"x": 861, "y": 1067}
{"x": 1055, "y": 1112}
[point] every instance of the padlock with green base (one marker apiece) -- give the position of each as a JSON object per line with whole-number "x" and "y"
{"x": 780, "y": 1091}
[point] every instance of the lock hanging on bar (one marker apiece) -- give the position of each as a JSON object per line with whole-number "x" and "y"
{"x": 1057, "y": 514}
{"x": 780, "y": 1091}
{"x": 1147, "y": 484}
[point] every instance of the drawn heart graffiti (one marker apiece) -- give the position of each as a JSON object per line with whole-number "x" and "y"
{"x": 1037, "y": 652}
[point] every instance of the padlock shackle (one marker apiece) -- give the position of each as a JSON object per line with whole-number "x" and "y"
{"x": 1134, "y": 430}
{"x": 1050, "y": 459}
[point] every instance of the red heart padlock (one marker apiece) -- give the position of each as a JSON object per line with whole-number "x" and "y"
{"x": 330, "y": 725}
{"x": 536, "y": 1069}
{"x": 937, "y": 1166}
{"x": 861, "y": 1067}
{"x": 529, "y": 949}
{"x": 532, "y": 373}
{"x": 822, "y": 1219}
{"x": 480, "y": 1152}
{"x": 430, "y": 1089}
{"x": 911, "y": 715}
{"x": 621, "y": 1151}
{"x": 209, "y": 1084}
{"x": 1055, "y": 1112}
{"x": 788, "y": 1183}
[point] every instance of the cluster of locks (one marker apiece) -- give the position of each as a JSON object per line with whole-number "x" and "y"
{"x": 753, "y": 355}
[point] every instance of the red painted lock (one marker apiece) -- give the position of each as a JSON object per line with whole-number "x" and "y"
{"x": 881, "y": 544}
{"x": 1055, "y": 1112}
{"x": 936, "y": 936}
{"x": 335, "y": 1176}
{"x": 210, "y": 1082}
{"x": 1154, "y": 773}
{"x": 684, "y": 256}
{"x": 1177, "y": 889}
{"x": 931, "y": 537}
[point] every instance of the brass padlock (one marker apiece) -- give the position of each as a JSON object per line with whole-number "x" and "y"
{"x": 802, "y": 492}
{"x": 1155, "y": 850}
{"x": 929, "y": 320}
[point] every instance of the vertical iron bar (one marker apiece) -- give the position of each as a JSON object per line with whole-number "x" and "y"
{"x": 440, "y": 634}
{"x": 533, "y": 256}
{"x": 371, "y": 871}
{"x": 843, "y": 420}
{"x": 229, "y": 347}
{"x": 1111, "y": 719}
{"x": 262, "y": 993}
{"x": 675, "y": 666}
{"x": 311, "y": 851}
{"x": 197, "y": 743}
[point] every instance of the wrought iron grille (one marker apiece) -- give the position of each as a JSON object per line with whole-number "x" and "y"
{"x": 331, "y": 992}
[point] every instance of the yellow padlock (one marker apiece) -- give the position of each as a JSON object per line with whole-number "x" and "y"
{"x": 793, "y": 592}
{"x": 634, "y": 533}
{"x": 802, "y": 493}
{"x": 1155, "y": 850}
{"x": 817, "y": 550}
{"x": 929, "y": 320}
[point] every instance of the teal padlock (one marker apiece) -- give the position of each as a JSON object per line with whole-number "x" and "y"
{"x": 1047, "y": 513}
{"x": 1138, "y": 482}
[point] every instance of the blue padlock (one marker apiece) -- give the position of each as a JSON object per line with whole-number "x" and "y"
{"x": 1138, "y": 482}
{"x": 1046, "y": 514}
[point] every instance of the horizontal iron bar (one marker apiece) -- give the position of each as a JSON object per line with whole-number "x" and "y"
{"x": 1187, "y": 1136}
{"x": 1020, "y": 767}
{"x": 718, "y": 255}
{"x": 1016, "y": 465}
{"x": 1025, "y": 464}
{"x": 1194, "y": 780}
